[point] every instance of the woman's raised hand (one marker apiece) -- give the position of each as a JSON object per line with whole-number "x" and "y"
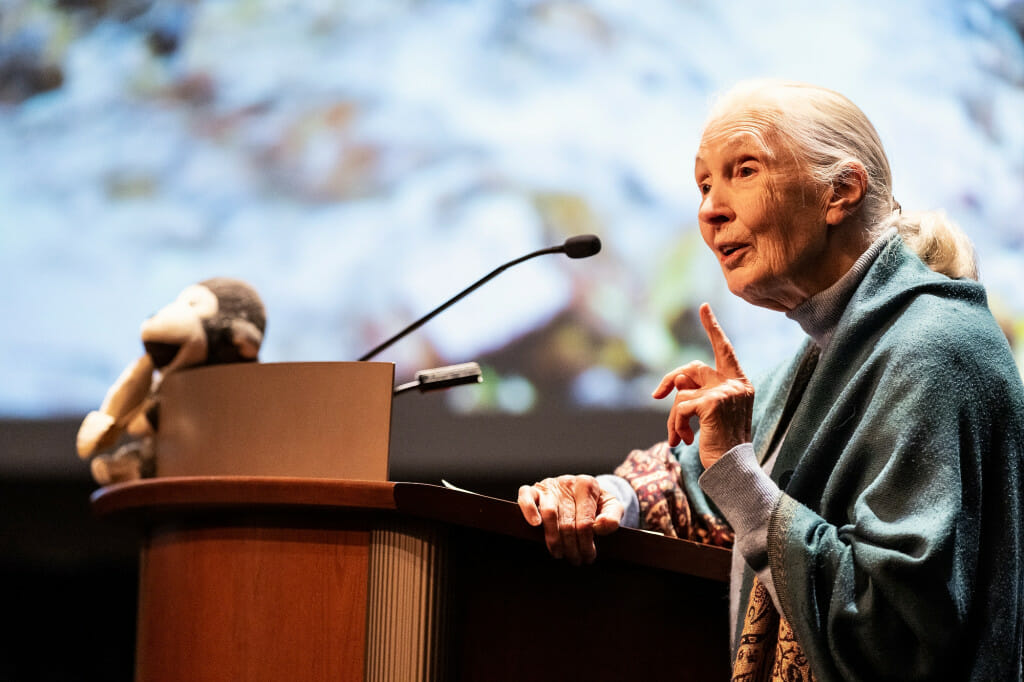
{"x": 721, "y": 397}
{"x": 573, "y": 509}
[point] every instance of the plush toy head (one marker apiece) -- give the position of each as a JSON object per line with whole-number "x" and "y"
{"x": 217, "y": 321}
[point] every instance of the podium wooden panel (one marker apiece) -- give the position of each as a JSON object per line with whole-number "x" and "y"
{"x": 256, "y": 578}
{"x": 237, "y": 418}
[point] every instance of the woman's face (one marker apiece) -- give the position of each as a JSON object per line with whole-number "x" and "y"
{"x": 763, "y": 219}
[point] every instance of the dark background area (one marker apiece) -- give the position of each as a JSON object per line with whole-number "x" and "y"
{"x": 68, "y": 581}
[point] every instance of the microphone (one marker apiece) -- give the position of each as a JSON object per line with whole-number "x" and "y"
{"x": 580, "y": 246}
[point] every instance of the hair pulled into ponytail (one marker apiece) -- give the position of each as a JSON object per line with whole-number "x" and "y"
{"x": 938, "y": 241}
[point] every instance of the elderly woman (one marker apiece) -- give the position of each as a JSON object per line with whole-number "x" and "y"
{"x": 873, "y": 482}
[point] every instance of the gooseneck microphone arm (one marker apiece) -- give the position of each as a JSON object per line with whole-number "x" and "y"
{"x": 581, "y": 246}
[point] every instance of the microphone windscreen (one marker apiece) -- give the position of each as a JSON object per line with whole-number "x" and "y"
{"x": 582, "y": 246}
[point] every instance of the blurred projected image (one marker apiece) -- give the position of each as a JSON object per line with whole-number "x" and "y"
{"x": 360, "y": 162}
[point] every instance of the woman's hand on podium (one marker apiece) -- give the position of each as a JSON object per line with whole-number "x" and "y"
{"x": 572, "y": 509}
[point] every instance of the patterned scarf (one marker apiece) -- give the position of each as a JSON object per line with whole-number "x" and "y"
{"x": 658, "y": 480}
{"x": 768, "y": 650}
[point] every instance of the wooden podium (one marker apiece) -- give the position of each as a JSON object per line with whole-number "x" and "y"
{"x": 269, "y": 578}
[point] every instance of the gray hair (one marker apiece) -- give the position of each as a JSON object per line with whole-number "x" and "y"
{"x": 827, "y": 132}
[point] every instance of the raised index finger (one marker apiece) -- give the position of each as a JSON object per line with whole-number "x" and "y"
{"x": 725, "y": 357}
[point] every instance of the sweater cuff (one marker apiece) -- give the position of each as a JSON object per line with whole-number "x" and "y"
{"x": 625, "y": 494}
{"x": 745, "y": 495}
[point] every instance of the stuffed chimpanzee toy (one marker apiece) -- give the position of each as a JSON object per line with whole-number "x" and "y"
{"x": 217, "y": 321}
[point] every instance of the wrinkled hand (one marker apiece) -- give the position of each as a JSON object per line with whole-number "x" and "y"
{"x": 721, "y": 397}
{"x": 573, "y": 509}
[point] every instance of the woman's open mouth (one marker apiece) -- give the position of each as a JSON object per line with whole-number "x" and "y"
{"x": 729, "y": 253}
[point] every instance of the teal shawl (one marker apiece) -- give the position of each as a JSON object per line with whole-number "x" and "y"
{"x": 896, "y": 549}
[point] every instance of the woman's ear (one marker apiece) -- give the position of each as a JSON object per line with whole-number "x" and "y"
{"x": 848, "y": 191}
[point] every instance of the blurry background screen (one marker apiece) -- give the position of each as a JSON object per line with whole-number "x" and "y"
{"x": 360, "y": 162}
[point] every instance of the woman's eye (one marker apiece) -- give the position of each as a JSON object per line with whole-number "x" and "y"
{"x": 745, "y": 171}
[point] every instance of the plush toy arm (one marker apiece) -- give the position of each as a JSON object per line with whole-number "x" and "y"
{"x": 101, "y": 428}
{"x": 140, "y": 425}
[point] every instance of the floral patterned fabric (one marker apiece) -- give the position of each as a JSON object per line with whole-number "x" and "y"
{"x": 658, "y": 480}
{"x": 768, "y": 650}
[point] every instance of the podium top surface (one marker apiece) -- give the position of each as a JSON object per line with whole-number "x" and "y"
{"x": 162, "y": 498}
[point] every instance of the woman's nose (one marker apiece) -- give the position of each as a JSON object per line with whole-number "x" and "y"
{"x": 715, "y": 208}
